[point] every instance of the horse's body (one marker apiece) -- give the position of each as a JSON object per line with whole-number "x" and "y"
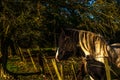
{"x": 93, "y": 45}
{"x": 97, "y": 69}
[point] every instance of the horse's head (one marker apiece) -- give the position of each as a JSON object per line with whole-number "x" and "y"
{"x": 66, "y": 45}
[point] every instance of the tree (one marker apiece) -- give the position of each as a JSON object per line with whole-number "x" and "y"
{"x": 40, "y": 22}
{"x": 100, "y": 16}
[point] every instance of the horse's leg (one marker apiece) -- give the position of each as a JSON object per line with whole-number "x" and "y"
{"x": 81, "y": 73}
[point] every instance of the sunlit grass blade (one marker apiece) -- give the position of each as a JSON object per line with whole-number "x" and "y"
{"x": 21, "y": 54}
{"x": 3, "y": 75}
{"x": 6, "y": 31}
{"x": 73, "y": 71}
{"x": 24, "y": 60}
{"x": 56, "y": 69}
{"x": 107, "y": 68}
{"x": 68, "y": 77}
{"x": 48, "y": 68}
{"x": 32, "y": 60}
{"x": 61, "y": 71}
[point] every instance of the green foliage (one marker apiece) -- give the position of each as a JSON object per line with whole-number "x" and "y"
{"x": 41, "y": 21}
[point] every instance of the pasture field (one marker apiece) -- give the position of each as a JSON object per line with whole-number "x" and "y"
{"x": 63, "y": 70}
{"x": 66, "y": 70}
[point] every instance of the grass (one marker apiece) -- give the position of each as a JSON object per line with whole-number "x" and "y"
{"x": 64, "y": 70}
{"x": 107, "y": 69}
{"x": 60, "y": 77}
